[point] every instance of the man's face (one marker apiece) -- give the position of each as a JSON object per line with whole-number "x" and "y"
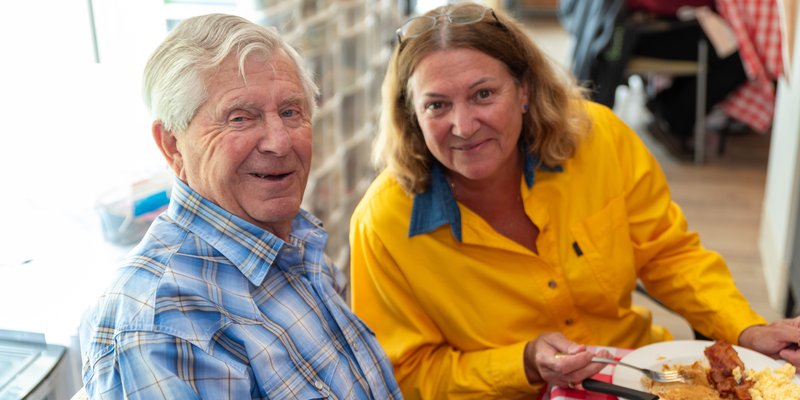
{"x": 248, "y": 148}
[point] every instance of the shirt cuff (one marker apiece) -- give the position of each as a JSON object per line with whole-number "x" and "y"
{"x": 508, "y": 371}
{"x": 735, "y": 320}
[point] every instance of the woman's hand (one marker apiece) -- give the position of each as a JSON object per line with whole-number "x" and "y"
{"x": 778, "y": 340}
{"x": 558, "y": 361}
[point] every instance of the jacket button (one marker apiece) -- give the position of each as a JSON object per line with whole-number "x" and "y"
{"x": 552, "y": 284}
{"x": 569, "y": 321}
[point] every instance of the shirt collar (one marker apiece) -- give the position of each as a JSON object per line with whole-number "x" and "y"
{"x": 437, "y": 206}
{"x": 251, "y": 249}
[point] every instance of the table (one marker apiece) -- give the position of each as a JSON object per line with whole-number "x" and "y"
{"x": 757, "y": 28}
{"x": 559, "y": 393}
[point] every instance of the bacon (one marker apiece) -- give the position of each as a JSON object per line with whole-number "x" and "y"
{"x": 723, "y": 360}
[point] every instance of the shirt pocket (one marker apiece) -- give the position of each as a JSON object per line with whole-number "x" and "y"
{"x": 605, "y": 242}
{"x": 292, "y": 385}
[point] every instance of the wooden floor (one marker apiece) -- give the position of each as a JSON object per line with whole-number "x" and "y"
{"x": 721, "y": 198}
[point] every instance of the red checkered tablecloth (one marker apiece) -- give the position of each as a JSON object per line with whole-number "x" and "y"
{"x": 559, "y": 393}
{"x": 756, "y": 24}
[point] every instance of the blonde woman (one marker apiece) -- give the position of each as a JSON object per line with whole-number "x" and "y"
{"x": 512, "y": 220}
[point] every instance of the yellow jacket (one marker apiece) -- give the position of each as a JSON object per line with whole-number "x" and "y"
{"x": 453, "y": 302}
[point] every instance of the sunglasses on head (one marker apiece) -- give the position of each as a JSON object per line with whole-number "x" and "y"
{"x": 457, "y": 16}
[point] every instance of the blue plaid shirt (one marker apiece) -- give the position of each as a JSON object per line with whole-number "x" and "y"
{"x": 210, "y": 306}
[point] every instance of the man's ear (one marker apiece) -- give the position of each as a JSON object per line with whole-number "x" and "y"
{"x": 167, "y": 142}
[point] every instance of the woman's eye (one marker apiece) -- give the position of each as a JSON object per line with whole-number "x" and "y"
{"x": 484, "y": 93}
{"x": 436, "y": 105}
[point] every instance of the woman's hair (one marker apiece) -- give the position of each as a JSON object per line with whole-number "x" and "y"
{"x": 174, "y": 84}
{"x": 551, "y": 129}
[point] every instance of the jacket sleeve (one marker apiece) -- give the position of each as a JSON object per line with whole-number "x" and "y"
{"x": 671, "y": 261}
{"x": 426, "y": 366}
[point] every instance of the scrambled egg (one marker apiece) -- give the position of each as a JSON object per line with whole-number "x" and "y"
{"x": 737, "y": 374}
{"x": 774, "y": 383}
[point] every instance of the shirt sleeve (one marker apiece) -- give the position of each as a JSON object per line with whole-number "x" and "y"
{"x": 426, "y": 366}
{"x": 145, "y": 365}
{"x": 671, "y": 261}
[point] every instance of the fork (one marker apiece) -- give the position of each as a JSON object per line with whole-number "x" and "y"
{"x": 665, "y": 376}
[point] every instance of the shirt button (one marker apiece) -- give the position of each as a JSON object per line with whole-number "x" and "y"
{"x": 568, "y": 321}
{"x": 355, "y": 346}
{"x": 552, "y": 284}
{"x": 318, "y": 384}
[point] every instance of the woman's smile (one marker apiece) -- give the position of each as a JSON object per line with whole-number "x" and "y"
{"x": 472, "y": 147}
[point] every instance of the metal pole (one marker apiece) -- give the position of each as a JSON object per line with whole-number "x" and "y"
{"x": 700, "y": 106}
{"x": 93, "y": 30}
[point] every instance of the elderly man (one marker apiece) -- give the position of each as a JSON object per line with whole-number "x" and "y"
{"x": 229, "y": 295}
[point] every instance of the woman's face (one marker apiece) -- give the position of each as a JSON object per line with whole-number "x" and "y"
{"x": 470, "y": 110}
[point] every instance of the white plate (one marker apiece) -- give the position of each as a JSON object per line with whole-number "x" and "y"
{"x": 681, "y": 352}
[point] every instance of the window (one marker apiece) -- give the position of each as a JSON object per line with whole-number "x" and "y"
{"x": 73, "y": 128}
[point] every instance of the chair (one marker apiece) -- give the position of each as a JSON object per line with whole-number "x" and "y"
{"x": 641, "y": 290}
{"x": 604, "y": 34}
{"x": 699, "y": 68}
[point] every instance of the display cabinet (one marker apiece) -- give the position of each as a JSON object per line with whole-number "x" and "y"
{"x": 347, "y": 44}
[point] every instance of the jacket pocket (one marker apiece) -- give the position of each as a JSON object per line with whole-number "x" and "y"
{"x": 604, "y": 239}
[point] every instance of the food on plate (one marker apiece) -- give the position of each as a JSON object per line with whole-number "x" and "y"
{"x": 774, "y": 383}
{"x": 727, "y": 372}
{"x": 696, "y": 386}
{"x": 733, "y": 380}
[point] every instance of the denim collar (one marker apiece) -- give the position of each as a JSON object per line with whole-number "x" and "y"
{"x": 437, "y": 206}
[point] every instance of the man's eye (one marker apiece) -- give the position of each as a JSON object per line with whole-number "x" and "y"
{"x": 239, "y": 117}
{"x": 290, "y": 113}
